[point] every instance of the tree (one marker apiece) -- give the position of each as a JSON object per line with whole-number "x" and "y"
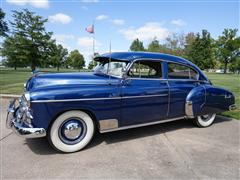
{"x": 30, "y": 38}
{"x": 76, "y": 60}
{"x": 3, "y": 24}
{"x": 13, "y": 55}
{"x": 137, "y": 45}
{"x": 235, "y": 65}
{"x": 201, "y": 52}
{"x": 174, "y": 45}
{"x": 189, "y": 40}
{"x": 58, "y": 55}
{"x": 228, "y": 47}
{"x": 154, "y": 46}
{"x": 91, "y": 64}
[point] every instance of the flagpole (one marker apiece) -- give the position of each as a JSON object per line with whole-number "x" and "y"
{"x": 93, "y": 36}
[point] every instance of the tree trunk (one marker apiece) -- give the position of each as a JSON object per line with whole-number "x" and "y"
{"x": 225, "y": 67}
{"x": 33, "y": 67}
{"x": 58, "y": 67}
{"x": 15, "y": 68}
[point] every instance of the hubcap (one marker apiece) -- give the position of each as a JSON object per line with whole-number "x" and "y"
{"x": 206, "y": 117}
{"x": 72, "y": 131}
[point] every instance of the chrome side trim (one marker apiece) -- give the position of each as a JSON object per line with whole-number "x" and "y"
{"x": 189, "y": 109}
{"x": 98, "y": 99}
{"x": 107, "y": 124}
{"x": 145, "y": 96}
{"x": 141, "y": 125}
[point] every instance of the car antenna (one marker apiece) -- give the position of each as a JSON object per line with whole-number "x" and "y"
{"x": 109, "y": 61}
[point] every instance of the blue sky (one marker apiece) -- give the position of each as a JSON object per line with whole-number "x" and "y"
{"x": 122, "y": 21}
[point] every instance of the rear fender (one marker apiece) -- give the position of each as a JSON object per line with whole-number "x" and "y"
{"x": 195, "y": 101}
{"x": 217, "y": 100}
{"x": 207, "y": 99}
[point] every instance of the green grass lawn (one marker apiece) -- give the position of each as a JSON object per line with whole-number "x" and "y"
{"x": 11, "y": 82}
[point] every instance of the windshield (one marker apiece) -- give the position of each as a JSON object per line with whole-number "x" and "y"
{"x": 113, "y": 68}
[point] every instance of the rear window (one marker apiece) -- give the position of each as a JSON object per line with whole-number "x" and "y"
{"x": 178, "y": 71}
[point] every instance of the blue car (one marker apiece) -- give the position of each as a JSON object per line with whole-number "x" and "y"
{"x": 126, "y": 90}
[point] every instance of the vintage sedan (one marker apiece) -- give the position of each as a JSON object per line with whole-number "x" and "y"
{"x": 126, "y": 90}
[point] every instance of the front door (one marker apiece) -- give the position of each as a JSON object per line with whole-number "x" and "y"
{"x": 144, "y": 94}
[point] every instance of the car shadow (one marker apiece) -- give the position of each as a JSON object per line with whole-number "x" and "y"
{"x": 42, "y": 147}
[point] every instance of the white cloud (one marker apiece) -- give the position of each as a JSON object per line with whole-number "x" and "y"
{"x": 88, "y": 42}
{"x": 146, "y": 32}
{"x": 101, "y": 17}
{"x": 60, "y": 18}
{"x": 178, "y": 22}
{"x": 34, "y": 3}
{"x": 118, "y": 21}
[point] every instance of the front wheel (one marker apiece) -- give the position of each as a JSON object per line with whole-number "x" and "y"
{"x": 71, "y": 131}
{"x": 205, "y": 120}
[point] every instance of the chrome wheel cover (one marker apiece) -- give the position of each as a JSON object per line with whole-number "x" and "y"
{"x": 206, "y": 118}
{"x": 72, "y": 131}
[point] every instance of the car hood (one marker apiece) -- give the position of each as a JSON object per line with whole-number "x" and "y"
{"x": 53, "y": 80}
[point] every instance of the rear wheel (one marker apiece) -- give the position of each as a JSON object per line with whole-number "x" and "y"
{"x": 205, "y": 120}
{"x": 71, "y": 131}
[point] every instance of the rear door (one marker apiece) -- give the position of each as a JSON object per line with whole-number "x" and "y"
{"x": 182, "y": 79}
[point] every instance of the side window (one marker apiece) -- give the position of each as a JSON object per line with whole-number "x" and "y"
{"x": 177, "y": 71}
{"x": 145, "y": 69}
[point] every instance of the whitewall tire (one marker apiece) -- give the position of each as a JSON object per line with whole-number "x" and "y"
{"x": 205, "y": 120}
{"x": 71, "y": 131}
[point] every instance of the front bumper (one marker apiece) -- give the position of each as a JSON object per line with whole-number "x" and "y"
{"x": 19, "y": 125}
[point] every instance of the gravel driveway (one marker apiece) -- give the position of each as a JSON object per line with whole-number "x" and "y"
{"x": 176, "y": 150}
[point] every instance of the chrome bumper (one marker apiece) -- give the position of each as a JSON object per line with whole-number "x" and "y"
{"x": 232, "y": 107}
{"x": 19, "y": 125}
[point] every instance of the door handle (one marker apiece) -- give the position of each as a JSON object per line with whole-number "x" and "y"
{"x": 125, "y": 82}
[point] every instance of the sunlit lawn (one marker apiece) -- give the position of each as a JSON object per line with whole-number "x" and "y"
{"x": 11, "y": 82}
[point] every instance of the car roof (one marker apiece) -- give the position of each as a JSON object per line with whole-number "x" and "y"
{"x": 131, "y": 56}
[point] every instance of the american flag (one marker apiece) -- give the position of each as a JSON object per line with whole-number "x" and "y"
{"x": 90, "y": 29}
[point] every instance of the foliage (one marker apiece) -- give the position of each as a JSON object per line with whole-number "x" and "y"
{"x": 3, "y": 24}
{"x": 29, "y": 39}
{"x": 189, "y": 40}
{"x": 92, "y": 64}
{"x": 137, "y": 45}
{"x": 58, "y": 55}
{"x": 175, "y": 44}
{"x": 154, "y": 46}
{"x": 14, "y": 54}
{"x": 235, "y": 65}
{"x": 76, "y": 60}
{"x": 228, "y": 47}
{"x": 201, "y": 52}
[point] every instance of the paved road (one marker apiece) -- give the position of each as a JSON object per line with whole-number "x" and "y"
{"x": 175, "y": 150}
